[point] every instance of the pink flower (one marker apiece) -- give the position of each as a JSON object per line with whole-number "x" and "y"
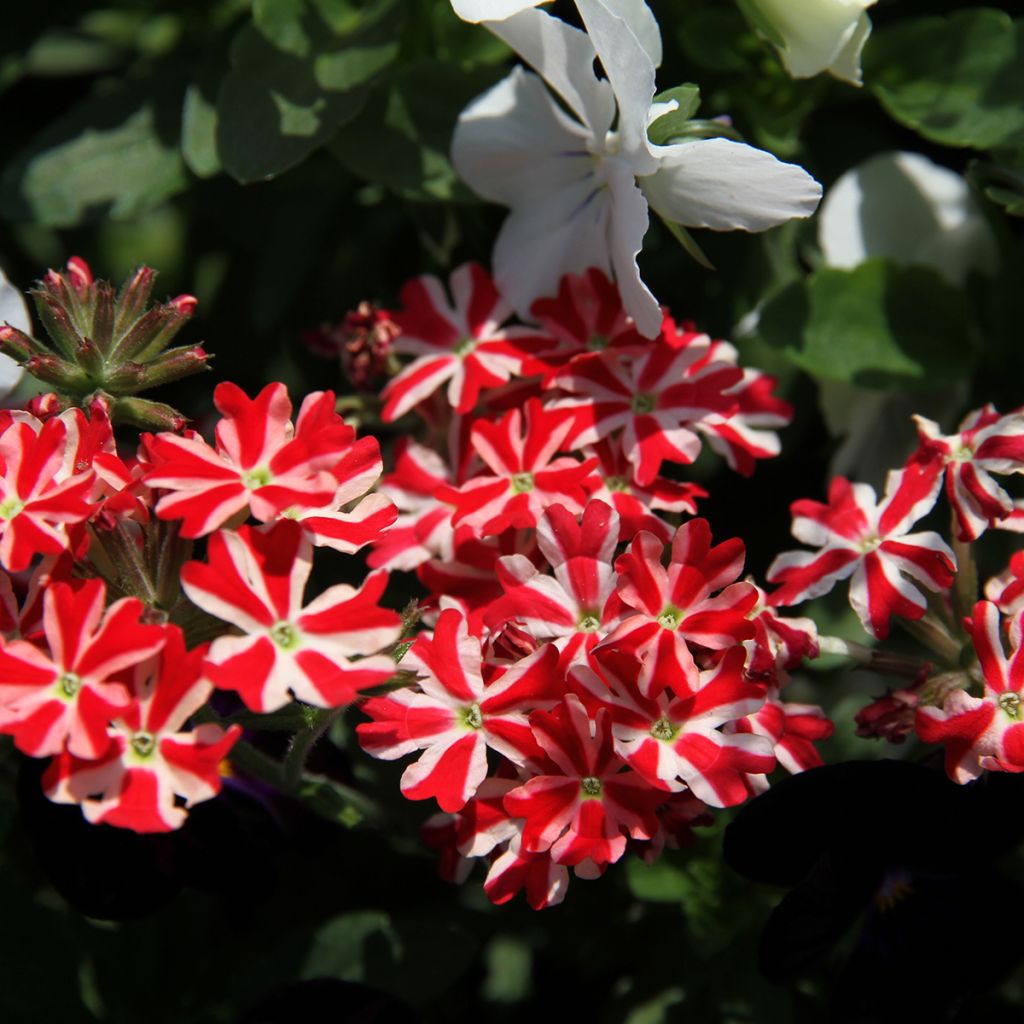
{"x": 151, "y": 770}
{"x": 323, "y": 653}
{"x": 860, "y": 537}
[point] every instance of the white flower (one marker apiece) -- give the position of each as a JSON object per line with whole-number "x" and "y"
{"x": 909, "y": 210}
{"x": 817, "y": 35}
{"x": 14, "y": 312}
{"x": 578, "y": 190}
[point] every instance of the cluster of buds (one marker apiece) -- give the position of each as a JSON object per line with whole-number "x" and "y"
{"x": 362, "y": 344}
{"x": 107, "y": 344}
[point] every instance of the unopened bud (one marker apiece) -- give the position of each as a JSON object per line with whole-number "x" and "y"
{"x": 80, "y": 274}
{"x": 185, "y": 304}
{"x": 45, "y": 406}
{"x": 146, "y": 414}
{"x": 53, "y": 370}
{"x": 15, "y": 343}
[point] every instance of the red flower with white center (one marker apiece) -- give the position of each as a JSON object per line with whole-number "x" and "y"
{"x": 152, "y": 770}
{"x": 1007, "y": 589}
{"x": 655, "y": 399}
{"x": 678, "y": 606}
{"x": 38, "y": 500}
{"x": 457, "y": 716}
{"x": 986, "y": 443}
{"x": 586, "y": 316}
{"x": 69, "y": 694}
{"x": 525, "y": 476}
{"x": 673, "y": 740}
{"x": 984, "y": 732}
{"x": 780, "y": 643}
{"x": 578, "y": 605}
{"x": 865, "y": 539}
{"x": 423, "y": 528}
{"x": 323, "y": 653}
{"x": 636, "y": 505}
{"x": 461, "y": 343}
{"x": 584, "y": 802}
{"x": 261, "y": 462}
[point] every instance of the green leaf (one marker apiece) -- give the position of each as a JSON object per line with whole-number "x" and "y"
{"x": 878, "y": 325}
{"x": 673, "y": 124}
{"x": 402, "y": 956}
{"x": 957, "y": 80}
{"x": 299, "y": 72}
{"x": 199, "y": 133}
{"x": 661, "y": 882}
{"x": 113, "y": 155}
{"x": 401, "y": 139}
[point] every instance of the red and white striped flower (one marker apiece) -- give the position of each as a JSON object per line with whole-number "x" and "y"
{"x": 423, "y": 528}
{"x": 1007, "y": 589}
{"x": 676, "y": 740}
{"x": 585, "y": 316}
{"x": 985, "y": 443}
{"x": 693, "y": 601}
{"x": 987, "y": 731}
{"x": 868, "y": 540}
{"x": 584, "y": 802}
{"x": 525, "y": 477}
{"x": 261, "y": 461}
{"x": 39, "y": 498}
{"x": 322, "y": 653}
{"x": 454, "y": 716}
{"x": 461, "y": 343}
{"x": 152, "y": 770}
{"x": 576, "y": 606}
{"x": 656, "y": 399}
{"x": 68, "y": 693}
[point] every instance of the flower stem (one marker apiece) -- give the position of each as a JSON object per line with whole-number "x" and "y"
{"x": 880, "y": 661}
{"x": 303, "y": 742}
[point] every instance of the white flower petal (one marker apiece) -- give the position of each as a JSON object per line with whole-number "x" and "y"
{"x": 910, "y": 210}
{"x": 514, "y": 145}
{"x": 491, "y": 10}
{"x": 820, "y": 35}
{"x": 564, "y": 57}
{"x": 563, "y": 233}
{"x": 628, "y": 226}
{"x": 641, "y": 22}
{"x": 726, "y": 185}
{"x": 630, "y": 70}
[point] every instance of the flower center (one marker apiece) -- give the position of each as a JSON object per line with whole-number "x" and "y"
{"x": 522, "y": 483}
{"x": 663, "y": 729}
{"x": 670, "y": 617}
{"x": 590, "y": 622}
{"x": 69, "y": 684}
{"x": 144, "y": 744}
{"x": 644, "y": 403}
{"x": 285, "y": 635}
{"x": 10, "y": 508}
{"x": 472, "y": 716}
{"x": 598, "y": 342}
{"x": 255, "y": 478}
{"x": 617, "y": 483}
{"x": 464, "y": 346}
{"x": 591, "y": 786}
{"x": 1010, "y": 703}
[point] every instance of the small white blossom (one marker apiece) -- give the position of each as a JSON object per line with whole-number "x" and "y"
{"x": 580, "y": 190}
